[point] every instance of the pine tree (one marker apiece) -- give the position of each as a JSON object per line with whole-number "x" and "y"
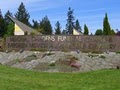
{"x": 77, "y": 26}
{"x": 10, "y": 30}
{"x": 9, "y": 25}
{"x": 70, "y": 22}
{"x": 112, "y": 32}
{"x": 118, "y": 32}
{"x": 64, "y": 32}
{"x": 22, "y": 14}
{"x": 106, "y": 26}
{"x": 2, "y": 25}
{"x": 86, "y": 31}
{"x": 45, "y": 26}
{"x": 57, "y": 28}
{"x": 35, "y": 24}
{"x": 6, "y": 18}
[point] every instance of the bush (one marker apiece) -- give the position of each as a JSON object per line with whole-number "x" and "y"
{"x": 48, "y": 54}
{"x": 99, "y": 32}
{"x": 39, "y": 49}
{"x": 74, "y": 58}
{"x": 102, "y": 56}
{"x": 118, "y": 52}
{"x": 52, "y": 64}
{"x": 97, "y": 52}
{"x": 31, "y": 57}
{"x": 65, "y": 50}
{"x": 32, "y": 33}
{"x": 92, "y": 55}
{"x": 10, "y": 63}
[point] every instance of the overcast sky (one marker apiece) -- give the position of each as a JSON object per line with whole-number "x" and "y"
{"x": 90, "y": 12}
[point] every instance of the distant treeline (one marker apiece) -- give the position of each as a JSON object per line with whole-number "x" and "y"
{"x": 44, "y": 25}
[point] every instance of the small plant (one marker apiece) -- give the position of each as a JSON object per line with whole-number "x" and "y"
{"x": 118, "y": 52}
{"x": 42, "y": 66}
{"x": 39, "y": 49}
{"x": 92, "y": 55}
{"x": 93, "y": 52}
{"x": 85, "y": 51}
{"x": 52, "y": 64}
{"x": 74, "y": 58}
{"x": 65, "y": 50}
{"x": 97, "y": 52}
{"x": 48, "y": 54}
{"x": 102, "y": 56}
{"x": 25, "y": 33}
{"x": 17, "y": 60}
{"x": 31, "y": 57}
{"x": 32, "y": 33}
{"x": 1, "y": 50}
{"x": 10, "y": 63}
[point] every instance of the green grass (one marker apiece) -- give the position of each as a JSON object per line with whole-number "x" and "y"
{"x": 19, "y": 79}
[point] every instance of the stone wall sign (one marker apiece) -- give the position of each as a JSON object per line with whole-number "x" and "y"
{"x": 64, "y": 42}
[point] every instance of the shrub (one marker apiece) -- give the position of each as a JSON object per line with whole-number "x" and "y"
{"x": 102, "y": 56}
{"x": 97, "y": 52}
{"x": 52, "y": 64}
{"x": 48, "y": 54}
{"x": 25, "y": 33}
{"x": 74, "y": 58}
{"x": 65, "y": 50}
{"x": 44, "y": 66}
{"x": 32, "y": 33}
{"x": 92, "y": 55}
{"x": 10, "y": 63}
{"x": 31, "y": 57}
{"x": 118, "y": 52}
{"x": 39, "y": 49}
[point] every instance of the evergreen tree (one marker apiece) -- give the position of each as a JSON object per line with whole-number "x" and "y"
{"x": 112, "y": 32}
{"x": 106, "y": 26}
{"x": 45, "y": 26}
{"x": 10, "y": 30}
{"x": 57, "y": 28}
{"x": 70, "y": 21}
{"x": 91, "y": 34}
{"x": 99, "y": 32}
{"x": 22, "y": 14}
{"x": 2, "y": 25}
{"x": 77, "y": 26}
{"x": 86, "y": 31}
{"x": 64, "y": 32}
{"x": 118, "y": 32}
{"x": 6, "y": 18}
{"x": 35, "y": 24}
{"x": 9, "y": 25}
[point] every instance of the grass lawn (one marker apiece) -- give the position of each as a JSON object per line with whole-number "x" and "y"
{"x": 18, "y": 79}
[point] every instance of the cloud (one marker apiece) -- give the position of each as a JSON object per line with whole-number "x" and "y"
{"x": 31, "y": 5}
{"x": 93, "y": 10}
{"x": 12, "y": 5}
{"x": 48, "y": 4}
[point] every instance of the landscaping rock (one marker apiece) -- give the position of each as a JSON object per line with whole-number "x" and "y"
{"x": 64, "y": 61}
